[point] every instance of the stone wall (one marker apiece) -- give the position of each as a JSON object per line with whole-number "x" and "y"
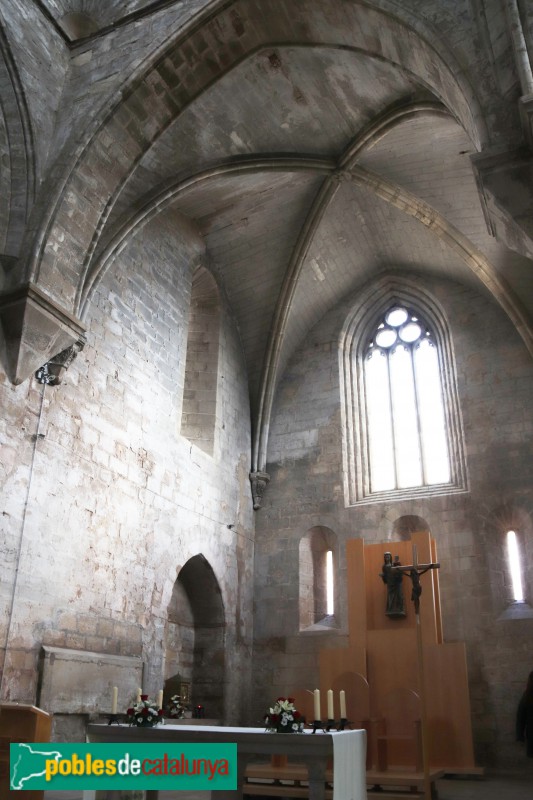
{"x": 495, "y": 381}
{"x": 105, "y": 501}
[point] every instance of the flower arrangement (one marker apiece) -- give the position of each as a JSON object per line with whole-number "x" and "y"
{"x": 283, "y": 717}
{"x": 145, "y": 713}
{"x": 176, "y": 709}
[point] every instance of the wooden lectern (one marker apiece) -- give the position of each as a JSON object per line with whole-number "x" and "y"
{"x": 20, "y": 724}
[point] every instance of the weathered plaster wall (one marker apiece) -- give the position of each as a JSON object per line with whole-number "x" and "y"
{"x": 495, "y": 381}
{"x": 105, "y": 501}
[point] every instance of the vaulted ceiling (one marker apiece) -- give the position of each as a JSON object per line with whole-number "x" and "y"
{"x": 314, "y": 144}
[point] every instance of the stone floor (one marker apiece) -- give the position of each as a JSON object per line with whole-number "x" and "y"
{"x": 492, "y": 787}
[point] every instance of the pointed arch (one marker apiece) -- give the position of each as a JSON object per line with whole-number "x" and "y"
{"x": 17, "y": 176}
{"x": 371, "y": 305}
{"x": 313, "y": 585}
{"x": 195, "y": 636}
{"x": 510, "y": 516}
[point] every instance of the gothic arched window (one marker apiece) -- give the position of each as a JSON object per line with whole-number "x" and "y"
{"x": 402, "y": 424}
{"x": 407, "y": 440}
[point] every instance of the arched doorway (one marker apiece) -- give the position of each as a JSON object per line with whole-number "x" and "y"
{"x": 195, "y": 637}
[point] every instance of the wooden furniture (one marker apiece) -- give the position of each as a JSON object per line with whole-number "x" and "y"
{"x": 397, "y": 731}
{"x": 291, "y": 781}
{"x": 401, "y": 785}
{"x": 284, "y": 780}
{"x": 388, "y": 692}
{"x": 310, "y": 750}
{"x": 20, "y": 723}
{"x": 385, "y": 652}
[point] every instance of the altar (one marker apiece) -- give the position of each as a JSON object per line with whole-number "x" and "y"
{"x": 347, "y": 748}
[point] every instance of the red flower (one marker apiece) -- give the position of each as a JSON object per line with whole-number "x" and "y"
{"x": 296, "y": 714}
{"x": 291, "y": 699}
{"x": 160, "y": 712}
{"x": 130, "y": 712}
{"x": 144, "y": 697}
{"x": 280, "y": 700}
{"x": 274, "y": 717}
{"x": 145, "y": 712}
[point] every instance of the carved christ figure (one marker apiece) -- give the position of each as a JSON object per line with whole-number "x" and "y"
{"x": 413, "y": 571}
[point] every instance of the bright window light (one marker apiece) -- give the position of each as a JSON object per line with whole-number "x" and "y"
{"x": 514, "y": 567}
{"x": 330, "y": 609}
{"x": 406, "y": 420}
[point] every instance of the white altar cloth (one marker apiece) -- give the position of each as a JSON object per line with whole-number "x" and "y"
{"x": 348, "y": 749}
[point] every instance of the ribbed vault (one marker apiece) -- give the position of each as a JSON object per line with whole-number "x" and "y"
{"x": 312, "y": 149}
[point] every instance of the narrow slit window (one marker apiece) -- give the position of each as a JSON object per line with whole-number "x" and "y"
{"x": 330, "y": 605}
{"x": 515, "y": 567}
{"x": 317, "y": 583}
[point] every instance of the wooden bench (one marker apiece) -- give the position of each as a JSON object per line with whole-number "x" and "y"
{"x": 281, "y": 779}
{"x": 290, "y": 780}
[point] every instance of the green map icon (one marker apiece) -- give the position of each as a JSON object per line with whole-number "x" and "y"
{"x": 123, "y": 766}
{"x": 28, "y": 764}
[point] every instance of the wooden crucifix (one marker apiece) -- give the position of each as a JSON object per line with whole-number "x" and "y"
{"x": 414, "y": 571}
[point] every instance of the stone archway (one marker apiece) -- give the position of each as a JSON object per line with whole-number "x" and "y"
{"x": 405, "y": 526}
{"x": 313, "y": 548}
{"x": 195, "y": 635}
{"x": 509, "y": 516}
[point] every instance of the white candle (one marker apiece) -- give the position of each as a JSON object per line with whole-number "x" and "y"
{"x": 114, "y": 701}
{"x": 330, "y": 704}
{"x": 139, "y": 693}
{"x": 316, "y": 701}
{"x": 342, "y": 696}
{"x": 160, "y": 698}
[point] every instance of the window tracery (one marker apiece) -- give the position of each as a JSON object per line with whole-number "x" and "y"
{"x": 403, "y": 404}
{"x": 402, "y": 429}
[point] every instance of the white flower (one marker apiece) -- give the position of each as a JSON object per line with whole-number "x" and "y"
{"x": 295, "y": 726}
